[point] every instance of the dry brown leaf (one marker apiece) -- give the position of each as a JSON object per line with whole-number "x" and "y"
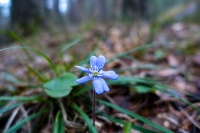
{"x": 173, "y": 61}
{"x": 184, "y": 86}
{"x": 178, "y": 27}
{"x": 166, "y": 72}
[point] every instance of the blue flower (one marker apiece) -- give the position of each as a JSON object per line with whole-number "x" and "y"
{"x": 96, "y": 74}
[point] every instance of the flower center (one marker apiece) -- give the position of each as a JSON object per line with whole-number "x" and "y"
{"x": 95, "y": 73}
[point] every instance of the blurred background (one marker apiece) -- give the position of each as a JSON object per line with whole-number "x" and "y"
{"x": 26, "y": 17}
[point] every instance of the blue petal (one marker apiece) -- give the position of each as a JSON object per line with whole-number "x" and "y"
{"x": 105, "y": 86}
{"x": 101, "y": 60}
{"x": 109, "y": 75}
{"x": 93, "y": 60}
{"x": 83, "y": 69}
{"x": 83, "y": 79}
{"x": 98, "y": 87}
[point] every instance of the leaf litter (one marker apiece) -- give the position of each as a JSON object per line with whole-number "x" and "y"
{"x": 175, "y": 64}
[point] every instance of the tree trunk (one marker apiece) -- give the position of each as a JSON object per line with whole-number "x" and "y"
{"x": 26, "y": 15}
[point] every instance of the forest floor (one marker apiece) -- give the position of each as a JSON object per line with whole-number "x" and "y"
{"x": 169, "y": 55}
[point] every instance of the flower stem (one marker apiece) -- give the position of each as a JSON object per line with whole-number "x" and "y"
{"x": 94, "y": 104}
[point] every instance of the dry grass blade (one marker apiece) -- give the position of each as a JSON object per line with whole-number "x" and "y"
{"x": 25, "y": 114}
{"x": 20, "y": 122}
{"x": 70, "y": 124}
{"x": 109, "y": 98}
{"x": 10, "y": 120}
{"x": 190, "y": 118}
{"x": 63, "y": 111}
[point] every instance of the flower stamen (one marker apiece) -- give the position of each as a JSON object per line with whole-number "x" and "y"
{"x": 95, "y": 73}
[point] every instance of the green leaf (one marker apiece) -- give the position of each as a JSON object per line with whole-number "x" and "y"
{"x": 10, "y": 78}
{"x": 81, "y": 91}
{"x": 59, "y": 124}
{"x": 86, "y": 59}
{"x": 10, "y": 98}
{"x": 120, "y": 80}
{"x": 176, "y": 94}
{"x": 60, "y": 86}
{"x": 59, "y": 92}
{"x": 70, "y": 44}
{"x": 143, "y": 89}
{"x": 56, "y": 127}
{"x": 32, "y": 70}
{"x": 19, "y": 124}
{"x": 159, "y": 54}
{"x": 132, "y": 114}
{"x": 38, "y": 52}
{"x": 10, "y": 107}
{"x": 62, "y": 81}
{"x": 85, "y": 117}
{"x": 40, "y": 78}
{"x": 130, "y": 80}
{"x": 141, "y": 129}
{"x": 127, "y": 127}
{"x": 19, "y": 40}
{"x": 137, "y": 49}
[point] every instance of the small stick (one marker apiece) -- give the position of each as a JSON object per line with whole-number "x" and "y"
{"x": 94, "y": 104}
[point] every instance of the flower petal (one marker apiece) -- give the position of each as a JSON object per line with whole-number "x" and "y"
{"x": 109, "y": 75}
{"x": 101, "y": 60}
{"x": 105, "y": 86}
{"x": 98, "y": 87}
{"x": 83, "y": 79}
{"x": 93, "y": 60}
{"x": 83, "y": 69}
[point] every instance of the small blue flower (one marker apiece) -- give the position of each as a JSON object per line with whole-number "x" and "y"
{"x": 96, "y": 74}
